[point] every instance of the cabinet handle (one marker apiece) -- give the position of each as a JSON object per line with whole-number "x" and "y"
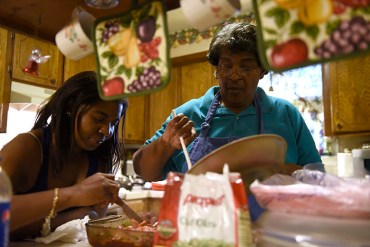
{"x": 53, "y": 81}
{"x": 339, "y": 126}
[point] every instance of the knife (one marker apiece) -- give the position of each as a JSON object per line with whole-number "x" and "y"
{"x": 129, "y": 212}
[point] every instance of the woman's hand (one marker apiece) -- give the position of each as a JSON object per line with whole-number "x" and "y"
{"x": 99, "y": 188}
{"x": 179, "y": 126}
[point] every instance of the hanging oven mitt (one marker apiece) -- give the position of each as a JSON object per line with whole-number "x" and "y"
{"x": 132, "y": 51}
{"x": 297, "y": 33}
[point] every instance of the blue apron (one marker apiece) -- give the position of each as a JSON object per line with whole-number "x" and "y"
{"x": 204, "y": 144}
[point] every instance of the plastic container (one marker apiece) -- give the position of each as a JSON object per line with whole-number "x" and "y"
{"x": 274, "y": 229}
{"x": 5, "y": 194}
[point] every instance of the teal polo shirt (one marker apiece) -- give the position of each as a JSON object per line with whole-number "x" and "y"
{"x": 280, "y": 117}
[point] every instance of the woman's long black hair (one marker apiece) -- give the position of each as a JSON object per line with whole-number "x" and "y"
{"x": 59, "y": 112}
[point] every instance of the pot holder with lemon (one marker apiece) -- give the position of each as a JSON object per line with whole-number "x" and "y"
{"x": 132, "y": 51}
{"x": 297, "y": 33}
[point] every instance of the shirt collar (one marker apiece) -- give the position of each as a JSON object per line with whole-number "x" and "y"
{"x": 209, "y": 95}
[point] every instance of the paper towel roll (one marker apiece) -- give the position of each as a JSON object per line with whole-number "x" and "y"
{"x": 345, "y": 164}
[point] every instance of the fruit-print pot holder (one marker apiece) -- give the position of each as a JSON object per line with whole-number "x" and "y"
{"x": 132, "y": 51}
{"x": 297, "y": 33}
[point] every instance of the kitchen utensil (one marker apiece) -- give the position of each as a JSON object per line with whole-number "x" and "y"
{"x": 254, "y": 157}
{"x": 188, "y": 162}
{"x": 130, "y": 213}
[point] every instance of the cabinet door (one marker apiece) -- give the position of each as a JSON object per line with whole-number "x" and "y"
{"x": 346, "y": 93}
{"x": 134, "y": 131}
{"x": 196, "y": 79}
{"x": 72, "y": 67}
{"x": 50, "y": 73}
{"x": 5, "y": 60}
{"x": 162, "y": 102}
{"x": 188, "y": 81}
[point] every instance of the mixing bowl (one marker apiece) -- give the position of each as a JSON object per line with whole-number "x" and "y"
{"x": 118, "y": 230}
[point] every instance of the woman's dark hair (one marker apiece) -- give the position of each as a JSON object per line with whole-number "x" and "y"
{"x": 59, "y": 112}
{"x": 237, "y": 37}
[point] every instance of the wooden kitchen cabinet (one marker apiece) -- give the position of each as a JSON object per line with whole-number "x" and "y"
{"x": 190, "y": 78}
{"x": 72, "y": 67}
{"x": 162, "y": 102}
{"x": 134, "y": 130}
{"x": 346, "y": 94}
{"x": 196, "y": 79}
{"x": 5, "y": 61}
{"x": 51, "y": 72}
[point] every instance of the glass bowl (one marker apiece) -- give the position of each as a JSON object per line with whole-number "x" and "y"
{"x": 118, "y": 230}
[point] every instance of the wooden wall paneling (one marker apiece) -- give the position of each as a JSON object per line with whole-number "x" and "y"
{"x": 6, "y": 50}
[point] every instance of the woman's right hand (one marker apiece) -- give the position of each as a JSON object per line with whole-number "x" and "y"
{"x": 179, "y": 126}
{"x": 99, "y": 188}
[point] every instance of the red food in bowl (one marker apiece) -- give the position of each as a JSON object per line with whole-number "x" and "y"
{"x": 120, "y": 231}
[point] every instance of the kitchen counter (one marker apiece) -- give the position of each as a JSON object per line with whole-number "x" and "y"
{"x": 54, "y": 244}
{"x": 139, "y": 201}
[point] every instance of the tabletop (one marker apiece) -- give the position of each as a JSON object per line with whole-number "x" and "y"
{"x": 53, "y": 244}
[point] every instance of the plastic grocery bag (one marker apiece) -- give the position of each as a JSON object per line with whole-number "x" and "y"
{"x": 314, "y": 193}
{"x": 204, "y": 210}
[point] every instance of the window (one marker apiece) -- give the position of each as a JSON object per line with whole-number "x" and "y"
{"x": 303, "y": 88}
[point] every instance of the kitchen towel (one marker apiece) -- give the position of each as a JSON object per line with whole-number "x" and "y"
{"x": 297, "y": 33}
{"x": 132, "y": 51}
{"x": 71, "y": 232}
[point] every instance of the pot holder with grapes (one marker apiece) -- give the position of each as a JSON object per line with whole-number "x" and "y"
{"x": 297, "y": 33}
{"x": 132, "y": 51}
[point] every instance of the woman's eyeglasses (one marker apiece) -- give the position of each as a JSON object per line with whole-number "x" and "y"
{"x": 227, "y": 70}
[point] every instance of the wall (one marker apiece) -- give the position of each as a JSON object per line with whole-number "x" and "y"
{"x": 19, "y": 121}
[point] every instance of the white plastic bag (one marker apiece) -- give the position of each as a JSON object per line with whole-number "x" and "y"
{"x": 314, "y": 193}
{"x": 204, "y": 210}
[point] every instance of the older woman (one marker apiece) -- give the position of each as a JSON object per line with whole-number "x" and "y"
{"x": 236, "y": 108}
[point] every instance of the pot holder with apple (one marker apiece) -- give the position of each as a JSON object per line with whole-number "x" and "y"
{"x": 297, "y": 33}
{"x": 132, "y": 51}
